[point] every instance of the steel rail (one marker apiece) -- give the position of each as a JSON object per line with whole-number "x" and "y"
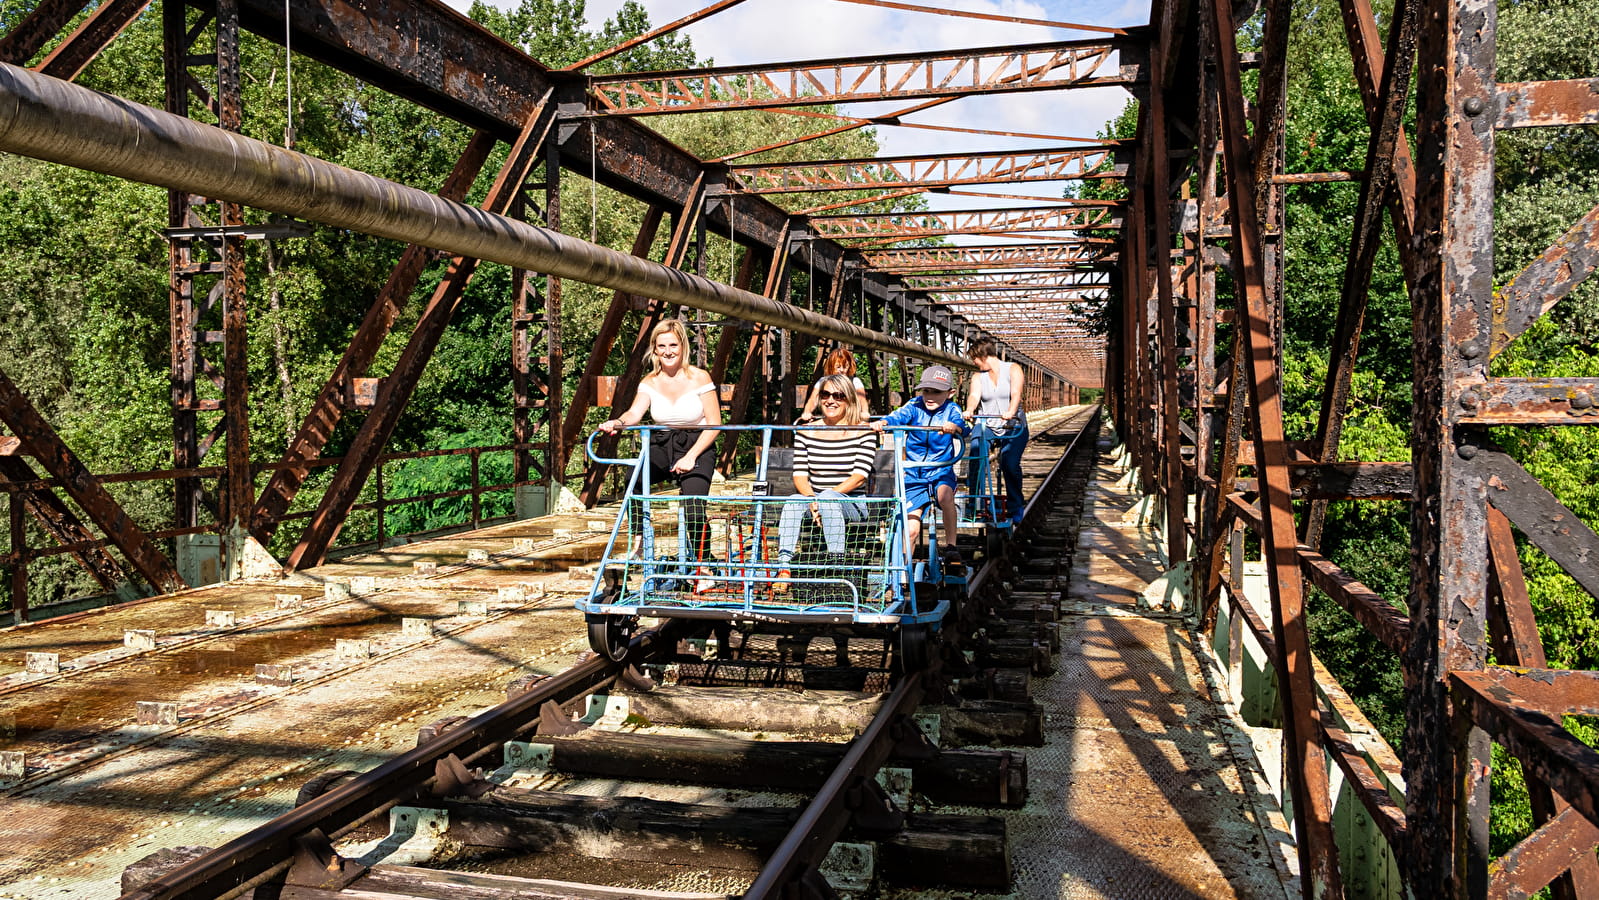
{"x": 267, "y": 850}
{"x": 1042, "y": 497}
{"x": 827, "y": 815}
{"x": 56, "y": 121}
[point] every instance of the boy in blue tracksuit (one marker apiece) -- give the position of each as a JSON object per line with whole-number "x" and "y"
{"x": 926, "y": 485}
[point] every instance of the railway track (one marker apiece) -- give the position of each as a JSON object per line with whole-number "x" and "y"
{"x": 789, "y": 764}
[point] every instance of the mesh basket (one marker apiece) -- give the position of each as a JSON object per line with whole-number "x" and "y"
{"x": 791, "y": 554}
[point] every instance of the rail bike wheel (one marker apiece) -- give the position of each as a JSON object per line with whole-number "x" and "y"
{"x": 993, "y": 542}
{"x": 913, "y": 647}
{"x": 610, "y": 635}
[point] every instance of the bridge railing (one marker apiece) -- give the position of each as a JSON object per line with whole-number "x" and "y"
{"x": 25, "y": 548}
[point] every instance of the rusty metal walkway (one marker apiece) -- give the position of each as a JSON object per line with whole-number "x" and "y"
{"x": 1147, "y": 785}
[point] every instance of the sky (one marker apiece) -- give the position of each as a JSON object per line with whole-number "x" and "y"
{"x": 764, "y": 31}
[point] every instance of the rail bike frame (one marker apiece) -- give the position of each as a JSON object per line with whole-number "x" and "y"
{"x": 984, "y": 506}
{"x": 638, "y": 575}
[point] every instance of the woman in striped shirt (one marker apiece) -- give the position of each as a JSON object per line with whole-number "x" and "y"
{"x": 831, "y": 465}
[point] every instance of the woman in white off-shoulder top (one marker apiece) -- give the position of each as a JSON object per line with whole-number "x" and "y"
{"x": 678, "y": 394}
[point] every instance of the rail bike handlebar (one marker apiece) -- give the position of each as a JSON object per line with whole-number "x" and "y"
{"x": 644, "y": 429}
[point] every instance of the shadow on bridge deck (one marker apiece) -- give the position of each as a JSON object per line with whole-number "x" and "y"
{"x": 1147, "y": 785}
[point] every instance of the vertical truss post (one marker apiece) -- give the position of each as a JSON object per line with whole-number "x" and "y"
{"x": 702, "y": 265}
{"x": 238, "y": 495}
{"x": 875, "y": 383}
{"x": 1218, "y": 479}
{"x": 554, "y": 344}
{"x": 530, "y": 382}
{"x": 1307, "y": 771}
{"x": 794, "y": 347}
{"x": 610, "y": 327}
{"x": 538, "y": 387}
{"x": 683, "y": 230}
{"x": 1269, "y": 146}
{"x": 184, "y": 353}
{"x": 394, "y": 392}
{"x": 1159, "y": 197}
{"x": 1141, "y": 430}
{"x": 1452, "y": 312}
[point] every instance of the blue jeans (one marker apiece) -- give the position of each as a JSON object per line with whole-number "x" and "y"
{"x": 834, "y": 510}
{"x": 1011, "y": 445}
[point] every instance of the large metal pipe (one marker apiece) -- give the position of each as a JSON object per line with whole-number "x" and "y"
{"x": 57, "y": 121}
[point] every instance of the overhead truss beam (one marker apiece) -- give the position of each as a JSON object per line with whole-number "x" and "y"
{"x": 930, "y": 171}
{"x": 987, "y": 70}
{"x": 983, "y": 221}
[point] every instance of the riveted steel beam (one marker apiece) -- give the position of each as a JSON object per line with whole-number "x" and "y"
{"x": 905, "y": 226}
{"x": 54, "y": 456}
{"x": 987, "y": 70}
{"x": 936, "y": 170}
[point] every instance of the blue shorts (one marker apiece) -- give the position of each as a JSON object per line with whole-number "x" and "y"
{"x": 921, "y": 494}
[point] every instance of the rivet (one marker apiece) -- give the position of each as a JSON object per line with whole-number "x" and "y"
{"x": 1471, "y": 349}
{"x": 1474, "y": 106}
{"x": 1466, "y": 451}
{"x": 1581, "y": 400}
{"x": 1469, "y": 401}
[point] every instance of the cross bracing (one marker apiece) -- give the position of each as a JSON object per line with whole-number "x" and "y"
{"x": 989, "y": 70}
{"x": 987, "y": 222}
{"x": 1063, "y": 254}
{"x": 936, "y": 170}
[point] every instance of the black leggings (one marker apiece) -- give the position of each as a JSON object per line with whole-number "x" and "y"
{"x": 666, "y": 448}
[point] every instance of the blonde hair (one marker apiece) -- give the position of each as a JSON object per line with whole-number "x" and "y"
{"x": 844, "y": 385}
{"x": 839, "y": 362}
{"x": 675, "y": 326}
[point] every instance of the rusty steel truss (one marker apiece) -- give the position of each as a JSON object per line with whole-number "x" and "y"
{"x": 1196, "y": 391}
{"x": 990, "y": 70}
{"x": 1192, "y": 372}
{"x": 467, "y": 74}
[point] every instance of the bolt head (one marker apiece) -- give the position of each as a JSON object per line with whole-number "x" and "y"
{"x": 1471, "y": 349}
{"x": 1466, "y": 451}
{"x": 1469, "y": 401}
{"x": 1474, "y": 106}
{"x": 1581, "y": 400}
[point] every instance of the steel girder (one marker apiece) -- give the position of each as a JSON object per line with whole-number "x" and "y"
{"x": 928, "y": 171}
{"x": 1196, "y": 415}
{"x": 988, "y": 70}
{"x": 908, "y": 226}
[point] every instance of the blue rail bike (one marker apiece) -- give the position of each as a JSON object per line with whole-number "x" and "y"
{"x": 982, "y": 500}
{"x": 757, "y": 555}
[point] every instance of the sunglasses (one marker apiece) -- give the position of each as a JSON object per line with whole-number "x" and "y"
{"x": 832, "y": 395}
